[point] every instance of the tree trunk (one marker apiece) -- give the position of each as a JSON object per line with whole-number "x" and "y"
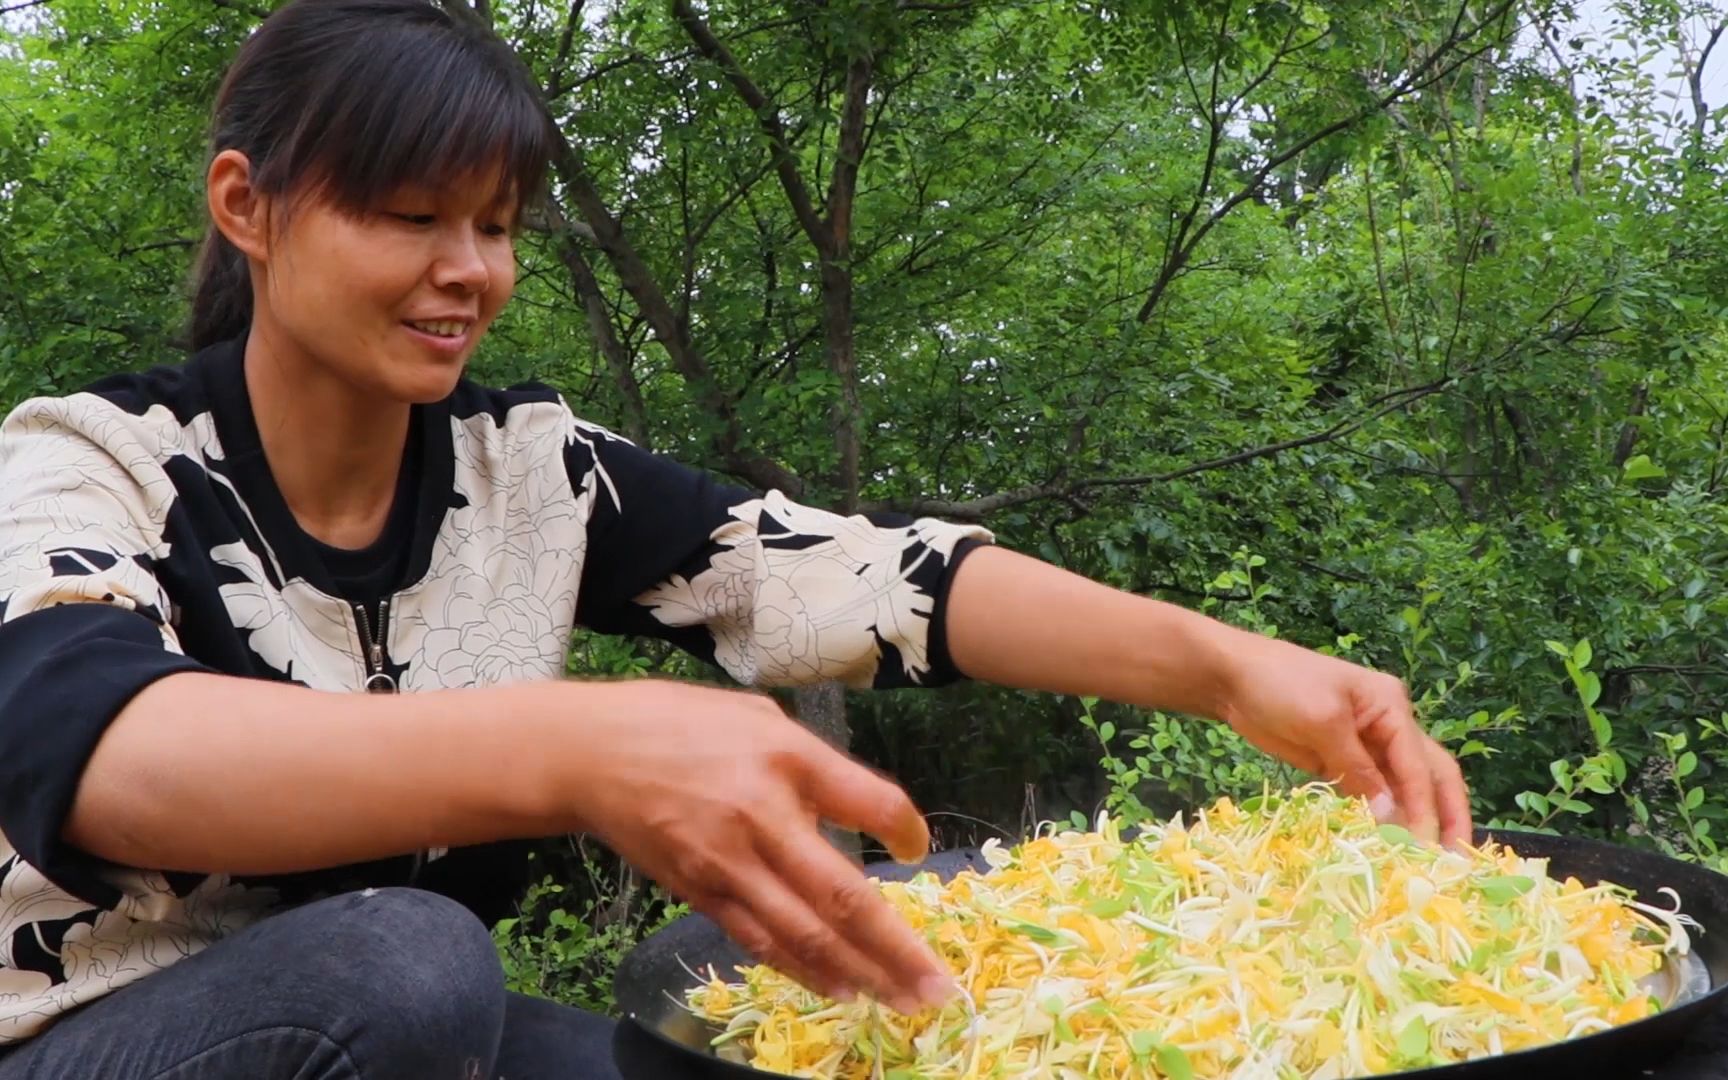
{"x": 1629, "y": 431}
{"x": 822, "y": 709}
{"x": 843, "y": 362}
{"x": 587, "y": 288}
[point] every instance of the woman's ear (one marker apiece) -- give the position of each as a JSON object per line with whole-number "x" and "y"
{"x": 236, "y": 207}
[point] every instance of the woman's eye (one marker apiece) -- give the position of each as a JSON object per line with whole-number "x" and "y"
{"x": 415, "y": 219}
{"x": 495, "y": 230}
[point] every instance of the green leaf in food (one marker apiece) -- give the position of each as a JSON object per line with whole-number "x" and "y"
{"x": 1413, "y": 1040}
{"x": 1108, "y": 908}
{"x": 1173, "y": 1063}
{"x": 1505, "y": 888}
{"x": 1396, "y": 834}
{"x": 1042, "y": 935}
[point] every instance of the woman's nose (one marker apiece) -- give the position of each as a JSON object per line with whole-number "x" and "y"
{"x": 460, "y": 263}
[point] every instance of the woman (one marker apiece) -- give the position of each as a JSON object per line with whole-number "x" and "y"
{"x": 218, "y": 859}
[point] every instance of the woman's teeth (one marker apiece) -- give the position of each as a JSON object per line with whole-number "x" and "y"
{"x": 441, "y": 329}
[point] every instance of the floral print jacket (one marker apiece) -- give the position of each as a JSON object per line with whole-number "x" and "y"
{"x": 141, "y": 535}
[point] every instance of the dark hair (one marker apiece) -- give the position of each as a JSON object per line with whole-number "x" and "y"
{"x": 354, "y": 99}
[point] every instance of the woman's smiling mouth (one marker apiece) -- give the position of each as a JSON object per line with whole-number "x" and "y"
{"x": 443, "y": 328}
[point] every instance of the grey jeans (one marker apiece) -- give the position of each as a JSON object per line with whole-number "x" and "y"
{"x": 398, "y": 984}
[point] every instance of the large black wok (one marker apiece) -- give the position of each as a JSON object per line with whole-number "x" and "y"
{"x": 658, "y": 1040}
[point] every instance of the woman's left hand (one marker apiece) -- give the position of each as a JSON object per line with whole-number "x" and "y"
{"x": 1350, "y": 725}
{"x": 1020, "y": 622}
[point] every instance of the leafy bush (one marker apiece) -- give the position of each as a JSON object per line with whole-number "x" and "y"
{"x": 567, "y": 940}
{"x": 1578, "y": 770}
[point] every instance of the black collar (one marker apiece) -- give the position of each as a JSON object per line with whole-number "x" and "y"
{"x": 220, "y": 370}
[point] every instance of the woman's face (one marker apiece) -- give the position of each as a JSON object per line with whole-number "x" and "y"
{"x": 392, "y": 300}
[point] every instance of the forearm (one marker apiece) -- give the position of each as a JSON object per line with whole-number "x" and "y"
{"x": 1016, "y": 621}
{"x": 212, "y": 773}
{"x": 1020, "y": 622}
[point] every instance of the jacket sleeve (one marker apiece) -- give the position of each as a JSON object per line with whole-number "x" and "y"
{"x": 83, "y": 619}
{"x": 774, "y": 592}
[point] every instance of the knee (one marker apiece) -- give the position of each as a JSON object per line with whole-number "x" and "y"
{"x": 408, "y": 982}
{"x": 420, "y": 955}
{"x": 418, "y": 943}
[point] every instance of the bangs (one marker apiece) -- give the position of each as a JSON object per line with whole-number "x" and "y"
{"x": 415, "y": 106}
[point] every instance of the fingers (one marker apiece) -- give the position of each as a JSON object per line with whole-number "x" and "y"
{"x": 786, "y": 932}
{"x": 783, "y": 892}
{"x": 745, "y": 929}
{"x": 879, "y": 951}
{"x": 730, "y": 822}
{"x": 1309, "y": 761}
{"x": 1352, "y": 767}
{"x": 850, "y": 795}
{"x": 1393, "y": 736}
{"x": 1451, "y": 794}
{"x": 817, "y": 916}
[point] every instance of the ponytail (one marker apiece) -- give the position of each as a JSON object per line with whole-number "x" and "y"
{"x": 221, "y": 292}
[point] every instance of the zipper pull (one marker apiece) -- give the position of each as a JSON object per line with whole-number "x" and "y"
{"x": 378, "y": 680}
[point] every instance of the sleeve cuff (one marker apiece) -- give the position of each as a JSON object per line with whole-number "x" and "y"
{"x": 943, "y": 670}
{"x": 65, "y": 673}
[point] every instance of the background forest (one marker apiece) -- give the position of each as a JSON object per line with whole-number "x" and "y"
{"x": 1393, "y": 328}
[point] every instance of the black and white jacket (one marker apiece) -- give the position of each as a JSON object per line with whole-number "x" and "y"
{"x": 141, "y": 535}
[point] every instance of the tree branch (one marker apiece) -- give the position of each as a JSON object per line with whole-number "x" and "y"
{"x": 1380, "y": 261}
{"x": 1176, "y": 249}
{"x": 666, "y": 59}
{"x": 849, "y": 154}
{"x": 588, "y": 291}
{"x": 1629, "y": 431}
{"x": 1695, "y": 80}
{"x": 1284, "y": 52}
{"x": 1341, "y": 575}
{"x": 638, "y": 280}
{"x": 1719, "y": 467}
{"x": 137, "y": 335}
{"x": 1393, "y": 401}
{"x": 1665, "y": 669}
{"x": 767, "y": 116}
{"x": 1370, "y": 411}
{"x": 561, "y": 61}
{"x": 977, "y": 509}
{"x": 1545, "y": 31}
{"x": 607, "y": 68}
{"x": 159, "y": 245}
{"x": 745, "y": 185}
{"x": 672, "y": 333}
{"x": 1422, "y": 75}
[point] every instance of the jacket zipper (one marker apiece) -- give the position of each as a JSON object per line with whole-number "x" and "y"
{"x": 378, "y": 677}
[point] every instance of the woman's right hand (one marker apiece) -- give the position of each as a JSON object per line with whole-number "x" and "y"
{"x": 718, "y": 796}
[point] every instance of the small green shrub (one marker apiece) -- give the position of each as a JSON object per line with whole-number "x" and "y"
{"x": 566, "y": 941}
{"x": 1631, "y": 781}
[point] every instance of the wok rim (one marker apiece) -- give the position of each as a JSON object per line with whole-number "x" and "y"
{"x": 1675, "y": 1021}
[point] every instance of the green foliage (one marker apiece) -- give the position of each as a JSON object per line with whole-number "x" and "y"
{"x": 1173, "y": 762}
{"x": 567, "y": 940}
{"x": 1433, "y": 370}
